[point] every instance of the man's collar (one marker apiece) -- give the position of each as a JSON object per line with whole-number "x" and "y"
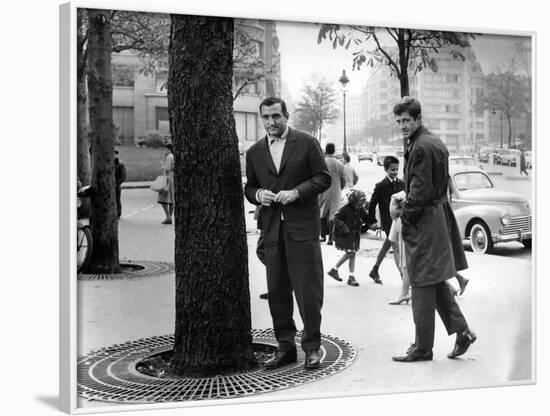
{"x": 283, "y": 136}
{"x": 416, "y": 133}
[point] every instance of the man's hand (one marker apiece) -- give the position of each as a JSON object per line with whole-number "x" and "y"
{"x": 286, "y": 197}
{"x": 266, "y": 197}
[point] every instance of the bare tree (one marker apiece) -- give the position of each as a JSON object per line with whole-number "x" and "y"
{"x": 316, "y": 107}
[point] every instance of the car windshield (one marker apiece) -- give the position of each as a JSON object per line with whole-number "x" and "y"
{"x": 471, "y": 180}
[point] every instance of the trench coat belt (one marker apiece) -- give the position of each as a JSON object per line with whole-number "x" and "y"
{"x": 440, "y": 201}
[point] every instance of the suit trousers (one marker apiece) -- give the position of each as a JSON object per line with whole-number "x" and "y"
{"x": 294, "y": 266}
{"x": 425, "y": 301}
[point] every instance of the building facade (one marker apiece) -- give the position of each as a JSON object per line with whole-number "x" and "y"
{"x": 140, "y": 103}
{"x": 448, "y": 99}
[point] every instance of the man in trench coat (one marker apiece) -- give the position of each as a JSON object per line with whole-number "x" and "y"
{"x": 286, "y": 172}
{"x": 433, "y": 247}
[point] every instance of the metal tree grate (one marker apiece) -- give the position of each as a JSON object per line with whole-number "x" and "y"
{"x": 110, "y": 374}
{"x": 133, "y": 270}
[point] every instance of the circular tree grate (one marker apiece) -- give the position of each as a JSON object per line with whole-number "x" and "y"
{"x": 110, "y": 374}
{"x": 131, "y": 270}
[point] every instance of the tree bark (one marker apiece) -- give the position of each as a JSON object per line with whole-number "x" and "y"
{"x": 82, "y": 142}
{"x": 103, "y": 218}
{"x": 213, "y": 322}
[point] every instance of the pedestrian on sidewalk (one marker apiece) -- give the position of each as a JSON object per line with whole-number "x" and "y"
{"x": 349, "y": 174}
{"x": 120, "y": 177}
{"x": 331, "y": 200}
{"x": 286, "y": 172}
{"x": 166, "y": 198}
{"x": 380, "y": 198}
{"x": 522, "y": 163}
{"x": 347, "y": 234}
{"x": 433, "y": 246}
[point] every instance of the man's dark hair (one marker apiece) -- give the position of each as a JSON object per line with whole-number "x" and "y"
{"x": 346, "y": 157}
{"x": 269, "y": 101}
{"x": 330, "y": 149}
{"x": 408, "y": 105}
{"x": 388, "y": 160}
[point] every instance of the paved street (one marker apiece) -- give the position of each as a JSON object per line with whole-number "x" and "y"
{"x": 497, "y": 304}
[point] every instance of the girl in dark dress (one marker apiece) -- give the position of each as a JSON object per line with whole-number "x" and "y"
{"x": 347, "y": 233}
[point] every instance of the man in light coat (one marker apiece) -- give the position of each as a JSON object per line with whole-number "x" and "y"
{"x": 331, "y": 200}
{"x": 433, "y": 247}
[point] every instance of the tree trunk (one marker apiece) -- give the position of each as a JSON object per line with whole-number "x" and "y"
{"x": 103, "y": 218}
{"x": 403, "y": 72}
{"x": 82, "y": 142}
{"x": 213, "y": 322}
{"x": 509, "y": 119}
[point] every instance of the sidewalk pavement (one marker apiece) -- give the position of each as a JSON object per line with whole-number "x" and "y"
{"x": 497, "y": 304}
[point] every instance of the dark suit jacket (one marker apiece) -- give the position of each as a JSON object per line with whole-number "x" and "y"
{"x": 303, "y": 168}
{"x": 383, "y": 191}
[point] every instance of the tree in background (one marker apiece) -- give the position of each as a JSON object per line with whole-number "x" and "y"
{"x": 213, "y": 321}
{"x": 523, "y": 57}
{"x": 402, "y": 50}
{"x": 507, "y": 92}
{"x": 316, "y": 107}
{"x": 379, "y": 131}
{"x": 103, "y": 216}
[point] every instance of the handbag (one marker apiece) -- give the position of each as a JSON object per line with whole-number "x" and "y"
{"x": 160, "y": 184}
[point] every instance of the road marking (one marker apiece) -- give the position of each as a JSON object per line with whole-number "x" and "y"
{"x": 138, "y": 211}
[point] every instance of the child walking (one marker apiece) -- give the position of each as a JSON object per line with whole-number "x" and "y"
{"x": 347, "y": 234}
{"x": 383, "y": 191}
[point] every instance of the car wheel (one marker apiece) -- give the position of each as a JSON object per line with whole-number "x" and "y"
{"x": 527, "y": 243}
{"x": 480, "y": 238}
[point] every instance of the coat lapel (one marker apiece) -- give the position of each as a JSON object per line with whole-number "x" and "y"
{"x": 290, "y": 144}
{"x": 267, "y": 155}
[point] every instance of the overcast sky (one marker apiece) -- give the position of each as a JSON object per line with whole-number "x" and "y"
{"x": 302, "y": 57}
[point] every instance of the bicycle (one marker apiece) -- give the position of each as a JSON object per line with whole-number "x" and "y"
{"x": 84, "y": 240}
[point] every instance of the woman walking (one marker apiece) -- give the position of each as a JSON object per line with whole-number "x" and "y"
{"x": 166, "y": 198}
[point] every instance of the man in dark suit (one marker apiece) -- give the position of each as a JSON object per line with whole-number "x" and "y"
{"x": 286, "y": 171}
{"x": 433, "y": 246}
{"x": 381, "y": 197}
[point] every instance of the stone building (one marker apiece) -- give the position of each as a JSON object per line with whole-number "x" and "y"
{"x": 140, "y": 104}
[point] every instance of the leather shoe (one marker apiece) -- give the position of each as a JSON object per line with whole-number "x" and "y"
{"x": 313, "y": 360}
{"x": 280, "y": 359}
{"x": 463, "y": 342}
{"x": 414, "y": 354}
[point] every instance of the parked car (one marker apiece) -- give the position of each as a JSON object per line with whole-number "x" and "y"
{"x": 461, "y": 160}
{"x": 510, "y": 157}
{"x": 484, "y": 153}
{"x": 383, "y": 152}
{"x": 529, "y": 159}
{"x": 485, "y": 215}
{"x": 365, "y": 156}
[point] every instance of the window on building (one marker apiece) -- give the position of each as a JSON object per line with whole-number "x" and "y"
{"x": 480, "y": 125}
{"x": 452, "y": 124}
{"x": 245, "y": 124}
{"x": 161, "y": 79}
{"x": 123, "y": 75}
{"x": 163, "y": 119}
{"x": 480, "y": 136}
{"x": 451, "y": 78}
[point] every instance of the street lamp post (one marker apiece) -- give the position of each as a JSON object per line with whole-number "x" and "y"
{"x": 344, "y": 80}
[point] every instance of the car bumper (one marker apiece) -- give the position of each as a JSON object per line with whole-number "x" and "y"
{"x": 519, "y": 236}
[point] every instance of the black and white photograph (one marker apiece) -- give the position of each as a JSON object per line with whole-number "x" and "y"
{"x": 277, "y": 209}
